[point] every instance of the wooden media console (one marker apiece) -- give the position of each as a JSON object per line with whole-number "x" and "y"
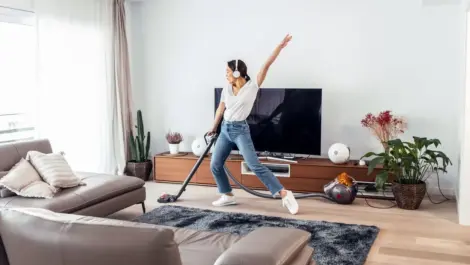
{"x": 307, "y": 175}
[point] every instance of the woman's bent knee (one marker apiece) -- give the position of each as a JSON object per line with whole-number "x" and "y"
{"x": 216, "y": 167}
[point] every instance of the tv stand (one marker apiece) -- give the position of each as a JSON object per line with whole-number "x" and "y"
{"x": 301, "y": 175}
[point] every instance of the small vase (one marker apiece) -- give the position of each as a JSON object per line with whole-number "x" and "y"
{"x": 174, "y": 149}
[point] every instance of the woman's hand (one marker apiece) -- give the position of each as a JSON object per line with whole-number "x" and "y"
{"x": 285, "y": 41}
{"x": 211, "y": 132}
{"x": 264, "y": 70}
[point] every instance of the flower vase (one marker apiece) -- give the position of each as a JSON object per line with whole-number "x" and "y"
{"x": 174, "y": 149}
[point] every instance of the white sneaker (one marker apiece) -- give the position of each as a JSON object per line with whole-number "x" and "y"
{"x": 290, "y": 202}
{"x": 225, "y": 200}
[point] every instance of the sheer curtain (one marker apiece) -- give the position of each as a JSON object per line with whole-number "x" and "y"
{"x": 76, "y": 79}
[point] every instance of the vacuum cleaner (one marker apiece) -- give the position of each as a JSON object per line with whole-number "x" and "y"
{"x": 342, "y": 190}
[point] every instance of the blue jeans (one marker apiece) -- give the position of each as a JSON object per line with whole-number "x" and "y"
{"x": 238, "y": 133}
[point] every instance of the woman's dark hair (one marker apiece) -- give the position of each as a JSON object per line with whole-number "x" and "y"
{"x": 241, "y": 68}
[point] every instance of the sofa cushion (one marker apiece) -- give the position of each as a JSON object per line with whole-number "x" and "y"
{"x": 55, "y": 239}
{"x": 11, "y": 153}
{"x": 192, "y": 243}
{"x": 98, "y": 188}
{"x": 64, "y": 201}
{"x": 268, "y": 246}
{"x": 53, "y": 169}
{"x": 24, "y": 181}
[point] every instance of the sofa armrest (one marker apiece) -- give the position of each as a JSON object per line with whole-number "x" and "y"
{"x": 267, "y": 246}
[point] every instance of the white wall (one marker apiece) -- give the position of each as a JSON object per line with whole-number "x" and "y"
{"x": 463, "y": 182}
{"x": 367, "y": 55}
{"x": 19, "y": 4}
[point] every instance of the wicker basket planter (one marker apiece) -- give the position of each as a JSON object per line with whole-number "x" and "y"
{"x": 409, "y": 196}
{"x": 140, "y": 170}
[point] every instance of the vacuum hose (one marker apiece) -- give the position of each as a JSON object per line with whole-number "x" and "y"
{"x": 267, "y": 196}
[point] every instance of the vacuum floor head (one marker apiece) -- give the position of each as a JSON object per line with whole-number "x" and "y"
{"x": 166, "y": 198}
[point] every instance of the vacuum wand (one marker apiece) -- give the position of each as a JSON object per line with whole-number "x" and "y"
{"x": 167, "y": 198}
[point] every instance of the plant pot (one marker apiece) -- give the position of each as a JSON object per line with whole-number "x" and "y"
{"x": 140, "y": 170}
{"x": 174, "y": 149}
{"x": 409, "y": 196}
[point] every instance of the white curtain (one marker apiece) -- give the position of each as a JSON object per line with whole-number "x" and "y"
{"x": 76, "y": 102}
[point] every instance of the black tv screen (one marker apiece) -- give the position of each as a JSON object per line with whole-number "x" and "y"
{"x": 285, "y": 121}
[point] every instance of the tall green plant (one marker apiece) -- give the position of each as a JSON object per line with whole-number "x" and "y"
{"x": 408, "y": 162}
{"x": 139, "y": 145}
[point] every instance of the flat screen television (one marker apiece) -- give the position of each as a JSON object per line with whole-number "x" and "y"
{"x": 286, "y": 121}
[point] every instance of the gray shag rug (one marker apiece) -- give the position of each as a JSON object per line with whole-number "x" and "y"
{"x": 334, "y": 243}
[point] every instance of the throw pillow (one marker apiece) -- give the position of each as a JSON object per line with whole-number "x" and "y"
{"x": 4, "y": 192}
{"x": 24, "y": 181}
{"x": 54, "y": 169}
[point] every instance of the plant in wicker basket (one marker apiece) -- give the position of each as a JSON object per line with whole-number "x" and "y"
{"x": 140, "y": 165}
{"x": 409, "y": 164}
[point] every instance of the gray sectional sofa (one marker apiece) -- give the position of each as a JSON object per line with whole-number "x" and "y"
{"x": 69, "y": 229}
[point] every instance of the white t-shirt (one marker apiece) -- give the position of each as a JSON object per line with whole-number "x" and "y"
{"x": 237, "y": 108}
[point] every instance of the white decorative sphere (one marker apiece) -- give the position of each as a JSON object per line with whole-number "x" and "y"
{"x": 339, "y": 153}
{"x": 362, "y": 163}
{"x": 199, "y": 146}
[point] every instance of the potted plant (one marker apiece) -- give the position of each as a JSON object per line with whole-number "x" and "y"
{"x": 140, "y": 165}
{"x": 409, "y": 164}
{"x": 174, "y": 139}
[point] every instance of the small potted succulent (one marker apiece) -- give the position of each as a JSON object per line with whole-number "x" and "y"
{"x": 174, "y": 139}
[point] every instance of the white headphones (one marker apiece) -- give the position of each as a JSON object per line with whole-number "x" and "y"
{"x": 236, "y": 73}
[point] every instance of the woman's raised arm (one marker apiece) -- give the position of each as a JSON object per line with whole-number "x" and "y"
{"x": 264, "y": 70}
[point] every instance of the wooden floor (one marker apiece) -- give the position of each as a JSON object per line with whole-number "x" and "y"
{"x": 430, "y": 235}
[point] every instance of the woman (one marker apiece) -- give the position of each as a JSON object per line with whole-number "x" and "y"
{"x": 236, "y": 102}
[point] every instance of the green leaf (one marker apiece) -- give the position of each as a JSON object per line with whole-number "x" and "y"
{"x": 374, "y": 162}
{"x": 132, "y": 147}
{"x": 147, "y": 146}
{"x": 140, "y": 151}
{"x": 395, "y": 142}
{"x": 381, "y": 179}
{"x": 369, "y": 155}
{"x": 436, "y": 142}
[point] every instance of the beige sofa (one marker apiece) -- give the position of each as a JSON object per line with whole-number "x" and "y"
{"x": 42, "y": 237}
{"x": 101, "y": 196}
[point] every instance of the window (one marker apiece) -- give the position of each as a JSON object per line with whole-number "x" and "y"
{"x": 17, "y": 75}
